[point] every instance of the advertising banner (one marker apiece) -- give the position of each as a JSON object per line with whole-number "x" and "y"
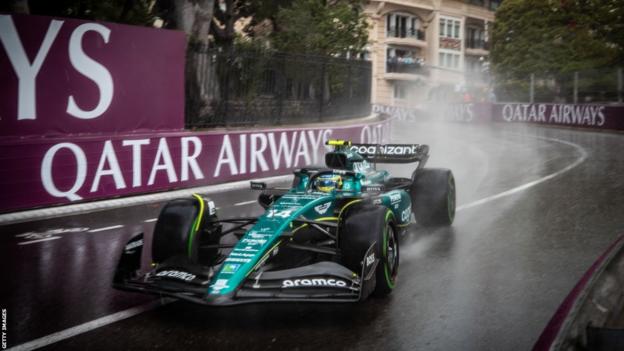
{"x": 439, "y": 112}
{"x": 581, "y": 115}
{"x": 61, "y": 171}
{"x": 63, "y": 76}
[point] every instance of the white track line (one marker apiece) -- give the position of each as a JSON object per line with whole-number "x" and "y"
{"x": 105, "y": 228}
{"x": 83, "y": 328}
{"x": 150, "y": 220}
{"x": 245, "y": 203}
{"x": 39, "y": 240}
{"x": 525, "y": 186}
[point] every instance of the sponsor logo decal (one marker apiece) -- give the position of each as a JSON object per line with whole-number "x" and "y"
{"x": 370, "y": 259}
{"x": 239, "y": 260}
{"x": 212, "y": 209}
{"x": 297, "y": 197}
{"x": 256, "y": 235}
{"x": 386, "y": 150}
{"x": 220, "y": 284}
{"x": 248, "y": 249}
{"x": 177, "y": 275}
{"x": 321, "y": 209}
{"x": 372, "y": 188}
{"x": 241, "y": 254}
{"x": 405, "y": 215}
{"x": 313, "y": 282}
{"x": 134, "y": 245}
{"x": 395, "y": 197}
{"x": 250, "y": 241}
{"x": 230, "y": 267}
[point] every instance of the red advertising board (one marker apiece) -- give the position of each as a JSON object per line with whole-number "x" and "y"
{"x": 63, "y": 76}
{"x": 64, "y": 170}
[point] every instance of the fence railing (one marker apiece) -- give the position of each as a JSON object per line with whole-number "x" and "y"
{"x": 605, "y": 85}
{"x": 247, "y": 87}
{"x": 472, "y": 43}
{"x": 403, "y": 32}
{"x": 412, "y": 66}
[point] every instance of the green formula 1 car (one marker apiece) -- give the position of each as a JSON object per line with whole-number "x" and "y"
{"x": 333, "y": 237}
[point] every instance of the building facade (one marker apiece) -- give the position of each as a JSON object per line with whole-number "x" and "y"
{"x": 428, "y": 50}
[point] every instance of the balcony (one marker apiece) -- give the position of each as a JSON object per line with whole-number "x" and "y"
{"x": 406, "y": 36}
{"x": 477, "y": 44}
{"x": 478, "y": 47}
{"x": 402, "y": 32}
{"x": 405, "y": 69}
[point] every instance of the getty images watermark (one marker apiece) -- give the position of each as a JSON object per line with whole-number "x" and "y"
{"x": 4, "y": 328}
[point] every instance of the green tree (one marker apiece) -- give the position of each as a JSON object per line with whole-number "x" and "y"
{"x": 136, "y": 12}
{"x": 553, "y": 38}
{"x": 537, "y": 36}
{"x": 321, "y": 27}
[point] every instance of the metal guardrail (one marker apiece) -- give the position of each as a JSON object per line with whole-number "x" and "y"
{"x": 249, "y": 87}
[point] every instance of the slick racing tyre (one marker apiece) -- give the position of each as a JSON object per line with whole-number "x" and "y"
{"x": 178, "y": 229}
{"x": 360, "y": 227}
{"x": 433, "y": 197}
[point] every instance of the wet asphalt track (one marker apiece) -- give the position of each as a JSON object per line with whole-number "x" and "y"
{"x": 490, "y": 282}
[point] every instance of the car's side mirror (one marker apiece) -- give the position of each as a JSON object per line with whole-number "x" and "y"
{"x": 266, "y": 200}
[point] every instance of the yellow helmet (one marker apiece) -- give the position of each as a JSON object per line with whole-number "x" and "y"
{"x": 328, "y": 182}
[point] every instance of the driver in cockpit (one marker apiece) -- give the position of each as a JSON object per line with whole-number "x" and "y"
{"x": 328, "y": 182}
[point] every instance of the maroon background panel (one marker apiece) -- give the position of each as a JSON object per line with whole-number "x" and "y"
{"x": 145, "y": 65}
{"x": 42, "y": 172}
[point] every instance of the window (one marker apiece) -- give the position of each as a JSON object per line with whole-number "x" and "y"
{"x": 494, "y": 4}
{"x": 399, "y": 91}
{"x": 403, "y": 26}
{"x": 475, "y": 38}
{"x": 450, "y": 28}
{"x": 449, "y": 60}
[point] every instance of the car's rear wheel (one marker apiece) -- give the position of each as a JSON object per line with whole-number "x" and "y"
{"x": 362, "y": 226}
{"x": 433, "y": 197}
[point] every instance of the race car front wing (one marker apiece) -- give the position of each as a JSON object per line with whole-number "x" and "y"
{"x": 323, "y": 281}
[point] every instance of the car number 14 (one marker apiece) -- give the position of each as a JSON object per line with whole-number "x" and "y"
{"x": 278, "y": 213}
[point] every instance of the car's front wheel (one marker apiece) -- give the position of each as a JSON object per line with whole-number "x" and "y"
{"x": 362, "y": 226}
{"x": 182, "y": 226}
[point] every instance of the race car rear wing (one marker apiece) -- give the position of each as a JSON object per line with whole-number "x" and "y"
{"x": 392, "y": 153}
{"x": 386, "y": 153}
